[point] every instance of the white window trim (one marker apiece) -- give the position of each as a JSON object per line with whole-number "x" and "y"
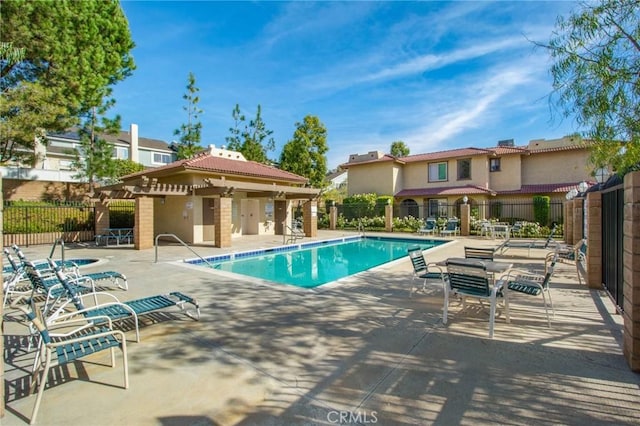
{"x": 437, "y": 164}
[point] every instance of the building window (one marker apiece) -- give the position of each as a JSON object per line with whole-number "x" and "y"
{"x": 437, "y": 172}
{"x": 438, "y": 208}
{"x": 494, "y": 164}
{"x": 464, "y": 169}
{"x": 120, "y": 153}
{"x": 159, "y": 158}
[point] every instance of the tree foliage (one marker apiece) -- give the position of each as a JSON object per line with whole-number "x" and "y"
{"x": 399, "y": 149}
{"x": 127, "y": 167}
{"x": 190, "y": 132}
{"x": 254, "y": 140}
{"x": 596, "y": 77}
{"x": 74, "y": 51}
{"x": 94, "y": 160}
{"x": 305, "y": 153}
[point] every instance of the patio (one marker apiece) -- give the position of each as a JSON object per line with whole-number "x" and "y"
{"x": 362, "y": 352}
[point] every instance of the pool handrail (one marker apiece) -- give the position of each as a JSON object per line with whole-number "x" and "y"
{"x": 181, "y": 242}
{"x": 53, "y": 249}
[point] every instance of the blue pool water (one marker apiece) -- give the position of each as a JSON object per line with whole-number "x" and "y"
{"x": 317, "y": 263}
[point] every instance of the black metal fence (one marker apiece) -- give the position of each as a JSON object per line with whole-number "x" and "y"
{"x": 612, "y": 241}
{"x": 503, "y": 211}
{"x": 28, "y": 223}
{"x": 122, "y": 214}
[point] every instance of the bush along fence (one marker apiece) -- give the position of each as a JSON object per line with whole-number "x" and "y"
{"x": 368, "y": 212}
{"x": 31, "y": 223}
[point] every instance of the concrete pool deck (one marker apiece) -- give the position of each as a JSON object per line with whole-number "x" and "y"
{"x": 362, "y": 352}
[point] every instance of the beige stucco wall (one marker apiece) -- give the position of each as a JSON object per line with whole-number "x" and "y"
{"x": 509, "y": 177}
{"x": 383, "y": 178}
{"x": 556, "y": 167}
{"x": 416, "y": 175}
{"x": 172, "y": 216}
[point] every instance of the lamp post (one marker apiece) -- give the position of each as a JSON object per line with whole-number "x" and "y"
{"x": 602, "y": 174}
{"x": 465, "y": 199}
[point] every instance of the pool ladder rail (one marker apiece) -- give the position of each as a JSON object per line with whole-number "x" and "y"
{"x": 174, "y": 236}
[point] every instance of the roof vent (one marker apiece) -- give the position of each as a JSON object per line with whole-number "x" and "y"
{"x": 506, "y": 142}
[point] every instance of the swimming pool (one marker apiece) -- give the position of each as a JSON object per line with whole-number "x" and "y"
{"x": 314, "y": 264}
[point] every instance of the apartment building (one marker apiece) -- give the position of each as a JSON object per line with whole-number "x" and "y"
{"x": 52, "y": 175}
{"x": 430, "y": 182}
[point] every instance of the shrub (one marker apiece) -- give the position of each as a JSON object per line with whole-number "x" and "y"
{"x": 541, "y": 208}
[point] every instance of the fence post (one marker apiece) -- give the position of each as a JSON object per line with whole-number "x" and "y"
{"x": 333, "y": 217}
{"x": 631, "y": 270}
{"x": 578, "y": 217}
{"x": 594, "y": 240}
{"x": 568, "y": 222}
{"x": 388, "y": 217}
{"x": 102, "y": 217}
{"x": 465, "y": 219}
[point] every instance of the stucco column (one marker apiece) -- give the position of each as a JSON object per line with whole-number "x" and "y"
{"x": 594, "y": 240}
{"x": 143, "y": 231}
{"x": 577, "y": 219}
{"x": 310, "y": 218}
{"x": 631, "y": 270}
{"x": 102, "y": 217}
{"x": 388, "y": 218}
{"x": 333, "y": 217}
{"x": 222, "y": 221}
{"x": 568, "y": 222}
{"x": 465, "y": 219}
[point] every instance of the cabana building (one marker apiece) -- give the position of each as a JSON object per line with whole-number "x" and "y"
{"x": 211, "y": 199}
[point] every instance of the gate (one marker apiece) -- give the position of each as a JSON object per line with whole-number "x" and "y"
{"x": 612, "y": 239}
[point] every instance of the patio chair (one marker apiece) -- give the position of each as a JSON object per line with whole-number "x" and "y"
{"x": 486, "y": 228}
{"x": 43, "y": 264}
{"x": 60, "y": 348}
{"x": 421, "y": 270}
{"x": 576, "y": 255}
{"x": 430, "y": 227}
{"x": 452, "y": 228}
{"x": 50, "y": 287}
{"x": 470, "y": 279}
{"x": 479, "y": 253}
{"x": 532, "y": 284}
{"x": 116, "y": 310}
{"x": 529, "y": 244}
{"x": 14, "y": 281}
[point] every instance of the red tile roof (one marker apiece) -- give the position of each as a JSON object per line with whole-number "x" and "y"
{"x": 383, "y": 159}
{"x": 446, "y": 190}
{"x": 225, "y": 166}
{"x": 544, "y": 188}
{"x": 440, "y": 155}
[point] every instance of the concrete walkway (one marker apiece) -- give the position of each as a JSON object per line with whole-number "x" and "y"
{"x": 361, "y": 352}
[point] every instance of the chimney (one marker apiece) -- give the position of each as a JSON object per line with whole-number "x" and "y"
{"x": 133, "y": 143}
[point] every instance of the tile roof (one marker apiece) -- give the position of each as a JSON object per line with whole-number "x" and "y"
{"x": 445, "y": 190}
{"x": 545, "y": 188}
{"x": 207, "y": 163}
{"x": 440, "y": 155}
{"x": 558, "y": 148}
{"x": 384, "y": 158}
{"x": 123, "y": 137}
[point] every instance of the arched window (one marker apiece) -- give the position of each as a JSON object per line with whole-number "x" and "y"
{"x": 409, "y": 207}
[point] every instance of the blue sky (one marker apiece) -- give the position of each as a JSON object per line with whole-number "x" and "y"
{"x": 436, "y": 75}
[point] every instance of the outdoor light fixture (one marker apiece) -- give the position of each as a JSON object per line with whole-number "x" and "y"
{"x": 583, "y": 186}
{"x": 571, "y": 194}
{"x": 465, "y": 199}
{"x": 602, "y": 174}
